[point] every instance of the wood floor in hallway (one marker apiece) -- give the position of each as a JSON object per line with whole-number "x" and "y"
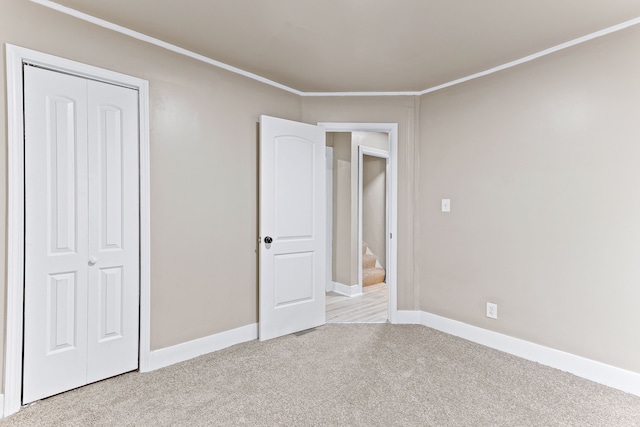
{"x": 370, "y": 307}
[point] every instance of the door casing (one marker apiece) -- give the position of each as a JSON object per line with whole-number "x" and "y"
{"x": 15, "y": 57}
{"x": 329, "y": 220}
{"x": 381, "y": 154}
{"x": 392, "y": 199}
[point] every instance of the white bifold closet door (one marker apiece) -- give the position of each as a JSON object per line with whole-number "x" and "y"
{"x": 81, "y": 232}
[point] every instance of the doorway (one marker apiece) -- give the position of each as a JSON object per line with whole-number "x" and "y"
{"x": 363, "y": 161}
{"x": 372, "y": 233}
{"x": 17, "y": 59}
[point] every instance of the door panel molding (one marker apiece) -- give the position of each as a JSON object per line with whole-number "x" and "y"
{"x": 15, "y": 57}
{"x": 56, "y": 234}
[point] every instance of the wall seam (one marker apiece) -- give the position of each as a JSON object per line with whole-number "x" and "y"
{"x": 415, "y": 198}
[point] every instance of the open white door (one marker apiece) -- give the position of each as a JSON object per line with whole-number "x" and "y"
{"x": 292, "y": 227}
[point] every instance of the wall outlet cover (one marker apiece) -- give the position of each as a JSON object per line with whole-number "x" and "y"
{"x": 492, "y": 310}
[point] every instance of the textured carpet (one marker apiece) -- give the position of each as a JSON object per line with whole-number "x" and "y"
{"x": 342, "y": 375}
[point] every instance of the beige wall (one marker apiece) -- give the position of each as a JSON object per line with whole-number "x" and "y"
{"x": 377, "y": 140}
{"x": 374, "y": 206}
{"x": 203, "y": 169}
{"x": 542, "y": 166}
{"x": 341, "y": 253}
{"x": 384, "y": 109}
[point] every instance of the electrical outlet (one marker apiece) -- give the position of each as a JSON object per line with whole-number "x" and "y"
{"x": 492, "y": 310}
{"x": 446, "y": 205}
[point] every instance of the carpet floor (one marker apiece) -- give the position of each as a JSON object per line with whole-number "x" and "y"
{"x": 343, "y": 375}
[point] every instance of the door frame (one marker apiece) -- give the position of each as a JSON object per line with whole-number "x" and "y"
{"x": 392, "y": 197}
{"x": 381, "y": 154}
{"x": 329, "y": 286}
{"x": 15, "y": 58}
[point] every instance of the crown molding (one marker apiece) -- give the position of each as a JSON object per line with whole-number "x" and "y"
{"x": 152, "y": 40}
{"x": 536, "y": 55}
{"x": 399, "y": 93}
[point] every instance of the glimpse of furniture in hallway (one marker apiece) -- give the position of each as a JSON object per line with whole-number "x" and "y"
{"x": 370, "y": 307}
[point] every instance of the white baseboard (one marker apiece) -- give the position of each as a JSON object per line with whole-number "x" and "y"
{"x": 188, "y": 350}
{"x": 592, "y": 370}
{"x": 346, "y": 290}
{"x": 330, "y": 286}
{"x": 1, "y": 406}
{"x": 408, "y": 317}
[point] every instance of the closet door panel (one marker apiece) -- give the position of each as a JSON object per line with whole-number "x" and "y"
{"x": 56, "y": 218}
{"x": 113, "y": 230}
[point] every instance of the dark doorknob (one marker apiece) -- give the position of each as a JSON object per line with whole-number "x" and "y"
{"x": 268, "y": 240}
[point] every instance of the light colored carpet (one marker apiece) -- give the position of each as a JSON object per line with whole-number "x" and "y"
{"x": 343, "y": 375}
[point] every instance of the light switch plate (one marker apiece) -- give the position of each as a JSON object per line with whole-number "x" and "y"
{"x": 446, "y": 205}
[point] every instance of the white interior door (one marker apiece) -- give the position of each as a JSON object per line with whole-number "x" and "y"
{"x": 81, "y": 232}
{"x": 292, "y": 227}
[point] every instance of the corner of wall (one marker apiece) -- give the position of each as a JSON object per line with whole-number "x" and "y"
{"x": 415, "y": 198}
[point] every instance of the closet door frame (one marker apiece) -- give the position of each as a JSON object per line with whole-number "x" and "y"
{"x": 15, "y": 58}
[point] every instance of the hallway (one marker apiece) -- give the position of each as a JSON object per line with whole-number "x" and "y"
{"x": 370, "y": 307}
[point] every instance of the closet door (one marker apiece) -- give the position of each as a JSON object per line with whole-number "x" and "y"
{"x": 113, "y": 294}
{"x": 81, "y": 232}
{"x": 56, "y": 233}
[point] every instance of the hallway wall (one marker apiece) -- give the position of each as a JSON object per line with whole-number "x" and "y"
{"x": 346, "y": 147}
{"x": 342, "y": 255}
{"x": 374, "y": 206}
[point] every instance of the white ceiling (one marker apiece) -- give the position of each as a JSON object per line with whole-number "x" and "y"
{"x": 363, "y": 45}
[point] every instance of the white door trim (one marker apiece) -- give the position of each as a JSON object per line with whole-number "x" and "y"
{"x": 392, "y": 198}
{"x": 382, "y": 154}
{"x": 329, "y": 220}
{"x": 15, "y": 57}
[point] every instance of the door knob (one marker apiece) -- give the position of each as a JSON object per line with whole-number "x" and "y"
{"x": 93, "y": 260}
{"x": 268, "y": 240}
